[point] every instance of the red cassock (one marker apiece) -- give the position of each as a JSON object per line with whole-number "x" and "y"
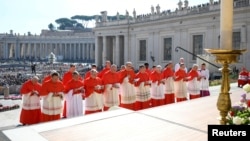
{"x": 125, "y": 73}
{"x": 130, "y": 98}
{"x": 156, "y": 78}
{"x": 180, "y": 74}
{"x": 32, "y": 114}
{"x": 142, "y": 102}
{"x": 110, "y": 78}
{"x": 102, "y": 72}
{"x": 73, "y": 84}
{"x": 168, "y": 74}
{"x": 192, "y": 74}
{"x": 48, "y": 77}
{"x": 194, "y": 88}
{"x": 67, "y": 77}
{"x": 87, "y": 74}
{"x": 180, "y": 91}
{"x": 51, "y": 87}
{"x": 148, "y": 71}
{"x": 89, "y": 86}
{"x": 142, "y": 78}
{"x": 243, "y": 78}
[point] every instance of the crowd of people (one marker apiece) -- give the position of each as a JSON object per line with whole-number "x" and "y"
{"x": 11, "y": 79}
{"x": 108, "y": 88}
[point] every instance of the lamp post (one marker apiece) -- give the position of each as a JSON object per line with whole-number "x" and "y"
{"x": 225, "y": 55}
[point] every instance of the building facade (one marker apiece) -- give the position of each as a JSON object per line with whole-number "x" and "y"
{"x": 66, "y": 45}
{"x": 153, "y": 37}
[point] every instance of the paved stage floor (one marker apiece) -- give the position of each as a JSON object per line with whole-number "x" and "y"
{"x": 179, "y": 121}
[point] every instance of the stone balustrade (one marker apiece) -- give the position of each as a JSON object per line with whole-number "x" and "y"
{"x": 166, "y": 14}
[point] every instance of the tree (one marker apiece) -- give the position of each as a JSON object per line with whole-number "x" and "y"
{"x": 79, "y": 26}
{"x": 84, "y": 19}
{"x": 65, "y": 23}
{"x": 79, "y": 21}
{"x": 51, "y": 27}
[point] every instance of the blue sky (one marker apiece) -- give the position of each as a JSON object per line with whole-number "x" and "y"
{"x": 24, "y": 16}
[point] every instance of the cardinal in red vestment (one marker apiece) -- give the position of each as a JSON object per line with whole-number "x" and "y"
{"x": 53, "y": 98}
{"x": 31, "y": 109}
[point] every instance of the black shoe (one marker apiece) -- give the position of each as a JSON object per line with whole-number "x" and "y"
{"x": 20, "y": 125}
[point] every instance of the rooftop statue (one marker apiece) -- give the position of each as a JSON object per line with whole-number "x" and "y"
{"x": 211, "y": 2}
{"x": 127, "y": 14}
{"x": 180, "y": 4}
{"x": 186, "y": 4}
{"x": 152, "y": 10}
{"x": 117, "y": 16}
{"x": 158, "y": 9}
{"x": 134, "y": 14}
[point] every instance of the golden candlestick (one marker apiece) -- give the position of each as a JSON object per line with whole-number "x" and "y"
{"x": 225, "y": 58}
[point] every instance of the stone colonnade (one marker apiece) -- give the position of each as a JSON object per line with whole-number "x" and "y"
{"x": 111, "y": 48}
{"x": 70, "y": 50}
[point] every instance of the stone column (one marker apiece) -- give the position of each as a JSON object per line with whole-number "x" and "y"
{"x": 17, "y": 50}
{"x": 22, "y": 50}
{"x": 29, "y": 50}
{"x": 5, "y": 51}
{"x": 96, "y": 51}
{"x": 126, "y": 49}
{"x": 54, "y": 48}
{"x": 93, "y": 45}
{"x": 12, "y": 50}
{"x": 50, "y": 48}
{"x": 104, "y": 53}
{"x": 83, "y": 51}
{"x": 79, "y": 51}
{"x": 117, "y": 51}
{"x": 26, "y": 50}
{"x": 9, "y": 47}
{"x": 64, "y": 45}
{"x": 243, "y": 35}
{"x": 41, "y": 50}
{"x": 35, "y": 54}
{"x": 74, "y": 51}
{"x": 61, "y": 50}
{"x": 90, "y": 56}
{"x": 32, "y": 52}
{"x": 46, "y": 49}
{"x": 88, "y": 50}
{"x": 226, "y": 24}
{"x": 70, "y": 51}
